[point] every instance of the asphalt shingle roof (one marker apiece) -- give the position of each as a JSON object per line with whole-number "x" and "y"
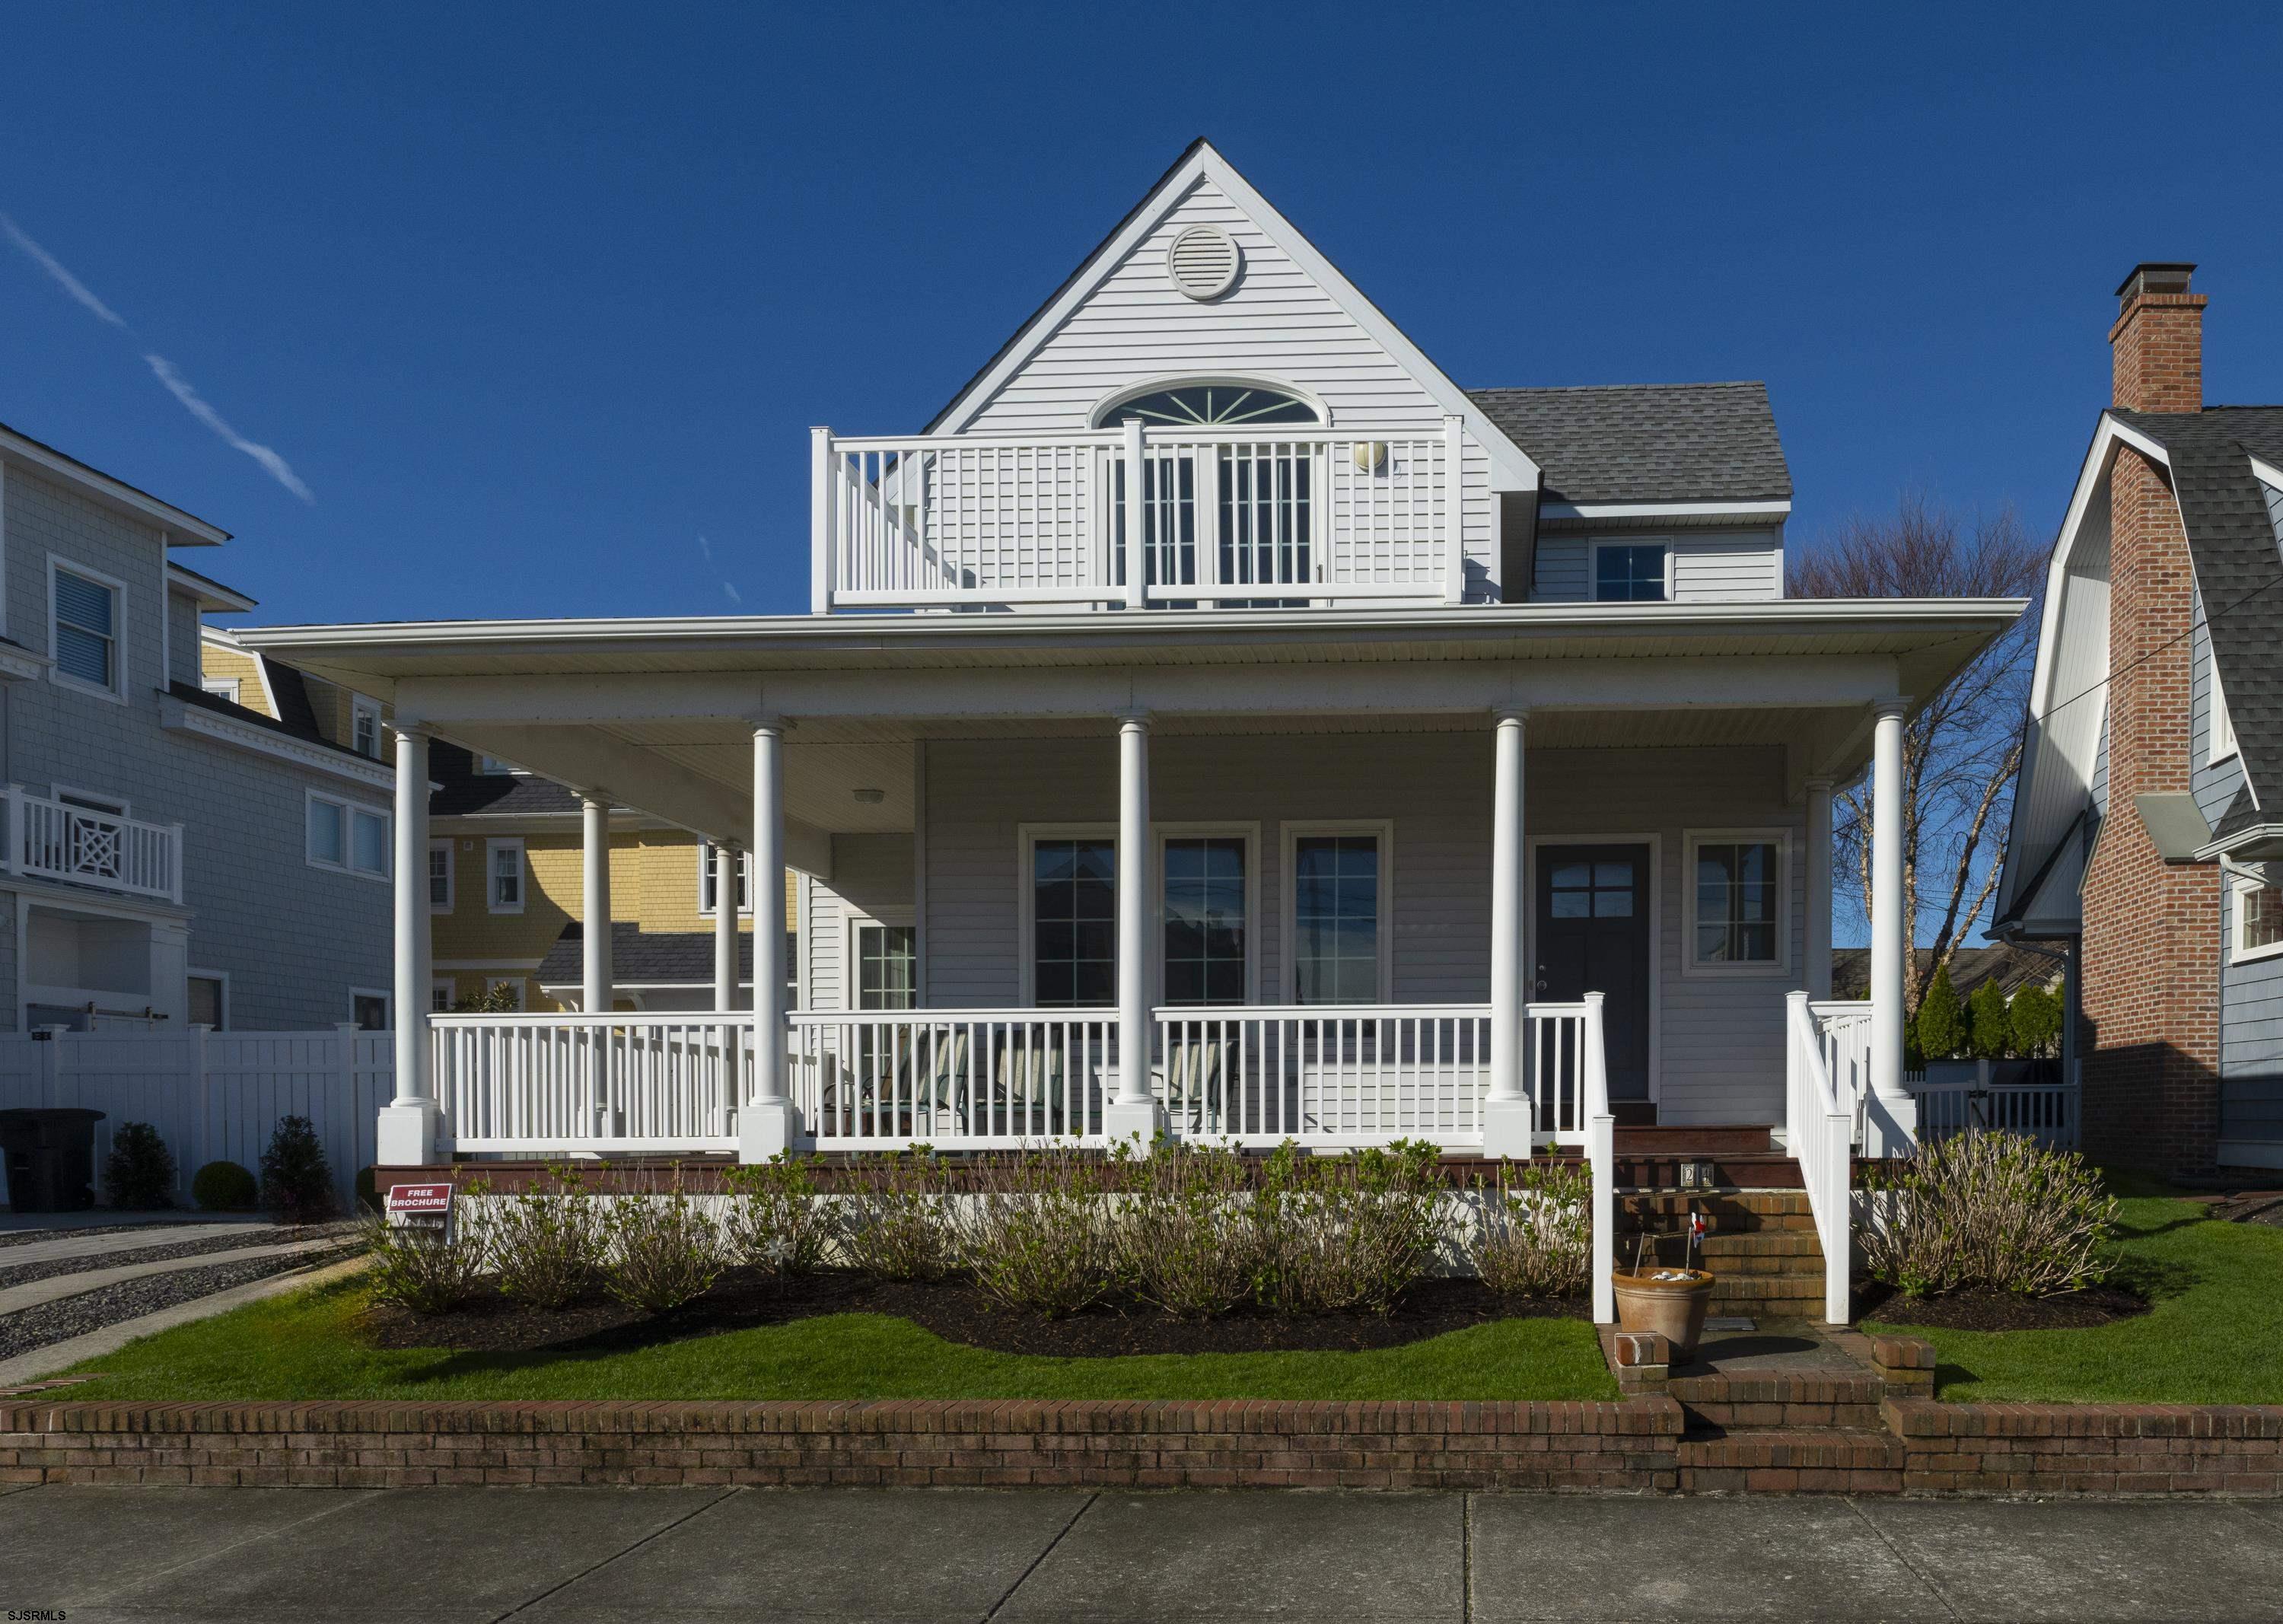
{"x": 1648, "y": 442}
{"x": 644, "y": 958}
{"x": 460, "y": 788}
{"x": 2238, "y": 559}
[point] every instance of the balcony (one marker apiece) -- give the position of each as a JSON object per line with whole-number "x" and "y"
{"x": 53, "y": 839}
{"x": 1229, "y": 516}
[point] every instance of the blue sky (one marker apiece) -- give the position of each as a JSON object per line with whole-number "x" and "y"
{"x": 528, "y": 301}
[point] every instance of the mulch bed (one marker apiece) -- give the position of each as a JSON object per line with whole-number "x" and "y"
{"x": 955, "y": 1311}
{"x": 1988, "y": 1310}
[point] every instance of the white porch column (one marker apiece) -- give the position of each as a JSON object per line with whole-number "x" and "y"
{"x": 406, "y": 1136}
{"x": 1506, "y": 1112}
{"x": 1892, "y": 1127}
{"x": 598, "y": 987}
{"x": 1819, "y": 887}
{"x": 725, "y": 927}
{"x": 766, "y": 1122}
{"x": 1134, "y": 1110}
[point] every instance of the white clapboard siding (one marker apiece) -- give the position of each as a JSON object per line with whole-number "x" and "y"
{"x": 1721, "y": 1040}
{"x": 1276, "y": 323}
{"x": 1724, "y": 567}
{"x": 871, "y": 877}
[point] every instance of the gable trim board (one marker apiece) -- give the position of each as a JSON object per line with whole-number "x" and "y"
{"x": 178, "y": 527}
{"x": 179, "y": 715}
{"x": 1512, "y": 468}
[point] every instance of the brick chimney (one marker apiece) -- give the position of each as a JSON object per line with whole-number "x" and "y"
{"x": 2157, "y": 347}
{"x": 2150, "y": 966}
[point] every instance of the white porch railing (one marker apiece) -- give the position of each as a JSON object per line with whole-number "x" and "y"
{"x": 946, "y": 520}
{"x": 2045, "y": 1112}
{"x": 955, "y": 1078}
{"x": 53, "y": 839}
{"x": 542, "y": 1083}
{"x": 1844, "y": 1030}
{"x": 1819, "y": 1131}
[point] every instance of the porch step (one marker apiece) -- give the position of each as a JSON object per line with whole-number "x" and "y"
{"x": 1791, "y": 1460}
{"x": 1786, "y": 1401}
{"x": 1729, "y": 1170}
{"x": 1743, "y": 1139}
{"x": 1760, "y": 1245}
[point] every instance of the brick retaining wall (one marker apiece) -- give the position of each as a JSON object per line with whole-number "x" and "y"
{"x": 1627, "y": 1446}
{"x": 2088, "y": 1449}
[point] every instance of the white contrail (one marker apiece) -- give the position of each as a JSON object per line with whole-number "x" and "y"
{"x": 70, "y": 284}
{"x": 179, "y": 387}
{"x": 706, "y": 548}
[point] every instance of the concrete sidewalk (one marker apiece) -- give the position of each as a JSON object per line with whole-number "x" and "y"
{"x": 955, "y": 1553}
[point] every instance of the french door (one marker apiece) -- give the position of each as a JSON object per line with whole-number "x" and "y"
{"x": 1239, "y": 514}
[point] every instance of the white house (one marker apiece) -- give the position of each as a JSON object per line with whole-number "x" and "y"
{"x": 1217, "y": 720}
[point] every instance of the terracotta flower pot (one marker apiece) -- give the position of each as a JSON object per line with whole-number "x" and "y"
{"x": 1668, "y": 1301}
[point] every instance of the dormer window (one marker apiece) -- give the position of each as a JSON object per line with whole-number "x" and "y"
{"x": 1211, "y": 405}
{"x": 1630, "y": 571}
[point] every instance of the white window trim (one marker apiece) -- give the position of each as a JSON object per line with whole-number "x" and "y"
{"x": 522, "y": 985}
{"x": 1288, "y": 926}
{"x": 1026, "y": 837}
{"x": 118, "y": 806}
{"x": 2223, "y": 742}
{"x": 1249, "y": 833}
{"x": 852, "y": 920}
{"x": 1690, "y": 965}
{"x": 451, "y": 875}
{"x": 2237, "y": 953}
{"x": 196, "y": 975}
{"x": 1593, "y": 561}
{"x": 492, "y": 847}
{"x": 745, "y": 880}
{"x": 1655, "y": 846}
{"x": 359, "y": 707}
{"x": 349, "y": 811}
{"x": 116, "y": 693}
{"x": 222, "y": 687}
{"x": 447, "y": 985}
{"x": 388, "y": 1004}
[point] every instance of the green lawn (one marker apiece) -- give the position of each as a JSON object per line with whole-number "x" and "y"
{"x": 305, "y": 1346}
{"x": 2214, "y": 1337}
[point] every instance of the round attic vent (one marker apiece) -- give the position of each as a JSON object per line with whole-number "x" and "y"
{"x": 1203, "y": 261}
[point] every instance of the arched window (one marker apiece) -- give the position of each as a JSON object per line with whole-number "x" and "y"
{"x": 1211, "y": 405}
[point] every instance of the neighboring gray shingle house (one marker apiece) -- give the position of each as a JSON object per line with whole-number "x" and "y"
{"x": 170, "y": 854}
{"x": 2149, "y": 822}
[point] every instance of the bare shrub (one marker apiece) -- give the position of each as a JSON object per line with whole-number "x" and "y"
{"x": 897, "y": 1227}
{"x": 1992, "y": 1210}
{"x": 423, "y": 1268}
{"x": 549, "y": 1242}
{"x": 1348, "y": 1231}
{"x": 665, "y": 1249}
{"x": 1038, "y": 1234}
{"x": 778, "y": 1220}
{"x": 1186, "y": 1232}
{"x": 1534, "y": 1235}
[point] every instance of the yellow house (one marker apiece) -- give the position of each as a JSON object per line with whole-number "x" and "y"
{"x": 504, "y": 875}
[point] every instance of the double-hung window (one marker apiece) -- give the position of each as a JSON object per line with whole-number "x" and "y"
{"x": 1205, "y": 907}
{"x": 1074, "y": 922}
{"x": 439, "y": 877}
{"x": 1339, "y": 909}
{"x": 85, "y": 635}
{"x": 503, "y": 879}
{"x": 1736, "y": 900}
{"x": 1630, "y": 571}
{"x": 2258, "y": 920}
{"x": 344, "y": 836}
{"x": 364, "y": 728}
{"x": 707, "y": 852}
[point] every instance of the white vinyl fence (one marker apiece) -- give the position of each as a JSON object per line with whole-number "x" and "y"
{"x": 212, "y": 1096}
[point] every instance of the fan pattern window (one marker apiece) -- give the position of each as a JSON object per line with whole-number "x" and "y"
{"x": 1212, "y": 406}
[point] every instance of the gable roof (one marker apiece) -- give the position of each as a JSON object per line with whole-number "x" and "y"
{"x": 2239, "y": 563}
{"x": 1512, "y": 468}
{"x": 1646, "y": 442}
{"x": 183, "y": 530}
{"x": 460, "y": 788}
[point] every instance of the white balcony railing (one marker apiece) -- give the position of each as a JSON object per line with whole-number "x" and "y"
{"x": 1227, "y": 515}
{"x": 52, "y": 839}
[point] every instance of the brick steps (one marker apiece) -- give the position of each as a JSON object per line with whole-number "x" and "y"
{"x": 1760, "y": 1245}
{"x": 1791, "y": 1460}
{"x": 1779, "y": 1400}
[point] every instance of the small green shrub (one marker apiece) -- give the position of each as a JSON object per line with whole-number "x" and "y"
{"x": 1186, "y": 1232}
{"x": 778, "y": 1220}
{"x": 547, "y": 1242}
{"x": 297, "y": 1181}
{"x": 420, "y": 1268}
{"x": 1348, "y": 1231}
{"x": 139, "y": 1173}
{"x": 899, "y": 1225}
{"x": 2036, "y": 1015}
{"x": 1992, "y": 1211}
{"x": 1039, "y": 1235}
{"x": 1940, "y": 1027}
{"x": 665, "y": 1249}
{"x": 1989, "y": 1023}
{"x": 1534, "y": 1237}
{"x": 223, "y": 1187}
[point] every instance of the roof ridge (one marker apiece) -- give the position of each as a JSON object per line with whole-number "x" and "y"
{"x": 1711, "y": 383}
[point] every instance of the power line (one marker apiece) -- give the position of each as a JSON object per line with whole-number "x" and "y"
{"x": 2210, "y": 616}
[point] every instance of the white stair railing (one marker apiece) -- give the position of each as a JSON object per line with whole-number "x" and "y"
{"x": 1819, "y": 1130}
{"x": 1600, "y": 1154}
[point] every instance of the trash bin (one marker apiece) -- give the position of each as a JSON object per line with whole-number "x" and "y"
{"x": 51, "y": 1158}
